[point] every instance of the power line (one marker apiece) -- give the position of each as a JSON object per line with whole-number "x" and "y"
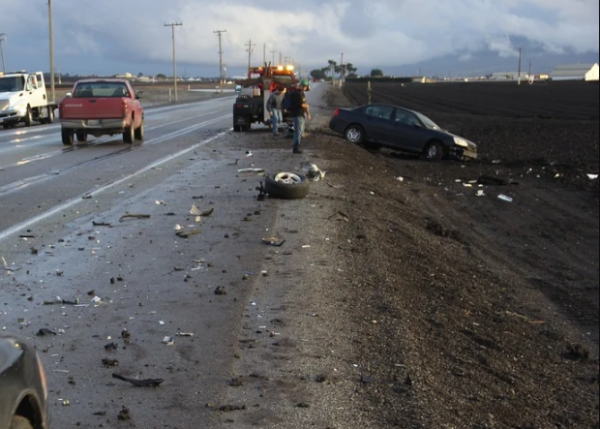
{"x": 173, "y": 25}
{"x": 219, "y": 33}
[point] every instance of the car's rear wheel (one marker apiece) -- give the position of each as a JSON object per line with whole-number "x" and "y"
{"x": 82, "y": 136}
{"x": 434, "y": 151}
{"x": 139, "y": 133}
{"x": 129, "y": 135}
{"x": 19, "y": 422}
{"x": 68, "y": 137}
{"x": 355, "y": 134}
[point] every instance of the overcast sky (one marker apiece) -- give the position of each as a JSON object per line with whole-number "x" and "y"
{"x": 116, "y": 36}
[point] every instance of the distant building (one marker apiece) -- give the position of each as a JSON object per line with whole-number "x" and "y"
{"x": 499, "y": 76}
{"x": 592, "y": 74}
{"x": 572, "y": 71}
{"x": 124, "y": 76}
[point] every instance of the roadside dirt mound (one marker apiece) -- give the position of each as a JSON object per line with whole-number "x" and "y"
{"x": 474, "y": 312}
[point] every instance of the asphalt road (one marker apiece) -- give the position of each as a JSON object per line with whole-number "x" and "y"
{"x": 64, "y": 241}
{"x": 142, "y": 274}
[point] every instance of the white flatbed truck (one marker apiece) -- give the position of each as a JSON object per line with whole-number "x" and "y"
{"x": 23, "y": 99}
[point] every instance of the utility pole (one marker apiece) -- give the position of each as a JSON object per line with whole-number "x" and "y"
{"x": 520, "y": 63}
{"x": 530, "y": 66}
{"x": 274, "y": 51}
{"x": 2, "y": 51}
{"x": 51, "y": 30}
{"x": 175, "y": 24}
{"x": 264, "y": 53}
{"x": 250, "y": 49}
{"x": 280, "y": 58}
{"x": 220, "y": 34}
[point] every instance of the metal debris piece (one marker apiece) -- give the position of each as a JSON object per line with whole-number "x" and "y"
{"x": 197, "y": 212}
{"x": 274, "y": 241}
{"x": 151, "y": 382}
{"x": 133, "y": 216}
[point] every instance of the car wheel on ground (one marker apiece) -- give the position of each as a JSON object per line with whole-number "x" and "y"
{"x": 355, "y": 134}
{"x": 68, "y": 137}
{"x": 287, "y": 186}
{"x": 82, "y": 136}
{"x": 7, "y": 126}
{"x": 28, "y": 117}
{"x": 434, "y": 151}
{"x": 19, "y": 422}
{"x": 139, "y": 133}
{"x": 129, "y": 135}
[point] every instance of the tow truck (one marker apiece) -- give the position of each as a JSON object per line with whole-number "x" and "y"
{"x": 251, "y": 104}
{"x": 23, "y": 98}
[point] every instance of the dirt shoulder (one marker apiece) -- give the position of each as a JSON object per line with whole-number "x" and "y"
{"x": 438, "y": 308}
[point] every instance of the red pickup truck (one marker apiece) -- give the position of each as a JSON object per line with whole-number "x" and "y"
{"x": 101, "y": 107}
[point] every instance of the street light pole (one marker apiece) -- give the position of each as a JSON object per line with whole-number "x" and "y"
{"x": 52, "y": 85}
{"x": 175, "y": 24}
{"x": 2, "y": 51}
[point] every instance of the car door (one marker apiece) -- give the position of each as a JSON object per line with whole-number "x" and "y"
{"x": 408, "y": 133}
{"x": 378, "y": 123}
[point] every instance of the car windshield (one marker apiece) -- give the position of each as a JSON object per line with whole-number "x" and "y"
{"x": 12, "y": 84}
{"x": 101, "y": 89}
{"x": 428, "y": 122}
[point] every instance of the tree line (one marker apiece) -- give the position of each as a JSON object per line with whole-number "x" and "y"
{"x": 337, "y": 71}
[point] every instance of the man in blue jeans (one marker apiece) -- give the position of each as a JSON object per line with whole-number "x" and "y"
{"x": 275, "y": 109}
{"x": 301, "y": 113}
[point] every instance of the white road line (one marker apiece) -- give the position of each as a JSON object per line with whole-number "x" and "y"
{"x": 67, "y": 205}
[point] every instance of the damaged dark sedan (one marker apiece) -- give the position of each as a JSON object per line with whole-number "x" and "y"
{"x": 381, "y": 125}
{"x": 23, "y": 391}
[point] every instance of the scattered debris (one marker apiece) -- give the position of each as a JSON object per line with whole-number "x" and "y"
{"x": 133, "y": 216}
{"x": 111, "y": 346}
{"x": 188, "y": 233}
{"x": 253, "y": 171}
{"x": 109, "y": 363}
{"x": 151, "y": 382}
{"x": 274, "y": 241}
{"x": 481, "y": 193}
{"x": 341, "y": 217}
{"x": 312, "y": 171}
{"x": 44, "y": 332}
{"x": 124, "y": 414}
{"x": 168, "y": 341}
{"x": 220, "y": 291}
{"x": 109, "y": 225}
{"x": 197, "y": 212}
{"x": 593, "y": 176}
{"x": 492, "y": 181}
{"x": 577, "y": 352}
{"x": 185, "y": 334}
{"x": 505, "y": 198}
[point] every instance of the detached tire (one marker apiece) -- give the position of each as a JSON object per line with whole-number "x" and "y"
{"x": 19, "y": 422}
{"x": 287, "y": 186}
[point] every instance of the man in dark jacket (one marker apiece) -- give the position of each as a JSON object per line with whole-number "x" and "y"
{"x": 301, "y": 113}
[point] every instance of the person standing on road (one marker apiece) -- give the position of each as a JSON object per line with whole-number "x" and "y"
{"x": 274, "y": 107}
{"x": 300, "y": 113}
